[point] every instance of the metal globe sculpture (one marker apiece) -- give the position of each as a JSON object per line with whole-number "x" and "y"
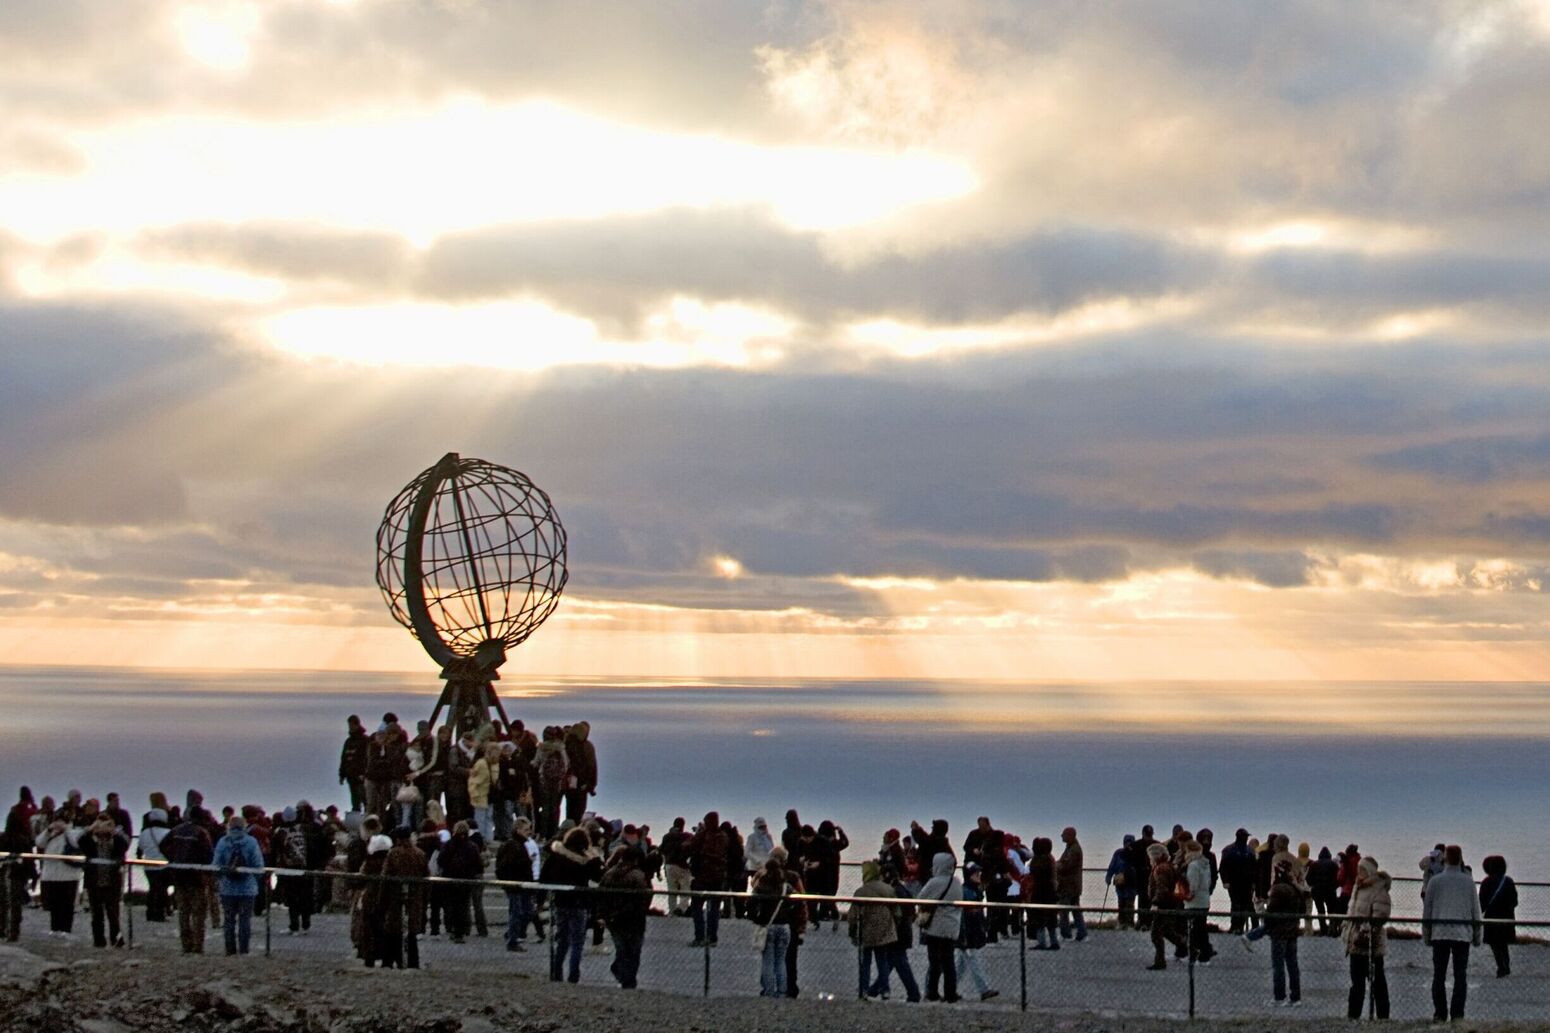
{"x": 471, "y": 559}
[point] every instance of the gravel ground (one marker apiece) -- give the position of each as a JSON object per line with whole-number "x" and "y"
{"x": 312, "y": 984}
{"x": 116, "y": 992}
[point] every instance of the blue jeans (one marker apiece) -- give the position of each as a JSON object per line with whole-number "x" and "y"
{"x": 238, "y": 913}
{"x": 482, "y": 819}
{"x": 519, "y": 911}
{"x": 895, "y": 959}
{"x": 570, "y": 936}
{"x": 772, "y": 963}
{"x": 626, "y": 966}
{"x": 1283, "y": 966}
{"x": 707, "y": 918}
{"x": 1072, "y": 917}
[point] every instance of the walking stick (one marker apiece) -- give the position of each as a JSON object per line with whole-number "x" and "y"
{"x": 1105, "y": 906}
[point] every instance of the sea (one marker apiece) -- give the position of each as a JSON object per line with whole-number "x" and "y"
{"x": 1392, "y": 767}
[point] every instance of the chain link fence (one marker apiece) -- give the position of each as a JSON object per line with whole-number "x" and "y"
{"x": 317, "y": 915}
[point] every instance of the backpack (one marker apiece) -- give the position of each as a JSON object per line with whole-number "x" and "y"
{"x": 295, "y": 853}
{"x": 553, "y": 771}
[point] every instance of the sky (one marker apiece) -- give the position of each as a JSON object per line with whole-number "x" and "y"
{"x": 992, "y": 340}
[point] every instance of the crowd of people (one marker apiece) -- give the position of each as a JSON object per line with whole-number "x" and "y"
{"x": 492, "y": 802}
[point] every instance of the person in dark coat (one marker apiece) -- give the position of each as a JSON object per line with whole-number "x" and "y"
{"x": 624, "y": 912}
{"x": 1237, "y": 874}
{"x": 1041, "y": 890}
{"x": 707, "y": 855}
{"x": 403, "y": 903}
{"x": 1499, "y": 900}
{"x": 368, "y": 922}
{"x": 459, "y": 858}
{"x": 572, "y": 862}
{"x": 104, "y": 848}
{"x": 352, "y": 762}
{"x": 1322, "y": 874}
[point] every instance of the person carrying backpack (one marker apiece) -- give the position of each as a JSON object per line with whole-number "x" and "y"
{"x": 238, "y": 888}
{"x": 189, "y": 844}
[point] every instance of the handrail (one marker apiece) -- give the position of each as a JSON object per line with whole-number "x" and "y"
{"x": 542, "y": 887}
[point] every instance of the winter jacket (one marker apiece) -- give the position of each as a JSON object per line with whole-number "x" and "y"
{"x": 1119, "y": 869}
{"x": 1162, "y": 882}
{"x": 757, "y": 846}
{"x": 1283, "y": 911}
{"x": 104, "y": 858}
{"x": 66, "y": 844}
{"x": 1371, "y": 901}
{"x": 237, "y": 849}
{"x": 1499, "y": 903}
{"x": 1199, "y": 875}
{"x": 943, "y": 887}
{"x": 459, "y": 858}
{"x": 707, "y": 856}
{"x": 480, "y": 777}
{"x": 1068, "y": 871}
{"x": 624, "y": 911}
{"x": 972, "y": 930}
{"x": 513, "y": 862}
{"x": 1237, "y": 867}
{"x": 553, "y": 766}
{"x": 564, "y": 867}
{"x": 188, "y": 843}
{"x": 872, "y": 925}
{"x": 582, "y": 756}
{"x": 1452, "y": 909}
{"x": 352, "y": 757}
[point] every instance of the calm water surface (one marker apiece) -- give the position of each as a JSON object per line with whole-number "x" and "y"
{"x": 1393, "y": 767}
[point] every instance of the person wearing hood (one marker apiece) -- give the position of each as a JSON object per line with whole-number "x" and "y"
{"x": 1283, "y": 908}
{"x": 1366, "y": 940}
{"x": 1122, "y": 877}
{"x": 1237, "y": 874}
{"x": 104, "y": 848}
{"x": 872, "y": 928}
{"x": 368, "y": 920}
{"x": 1322, "y": 873}
{"x": 238, "y": 889}
{"x": 1450, "y": 926}
{"x": 581, "y": 779}
{"x": 1197, "y": 871}
{"x": 707, "y": 856}
{"x": 60, "y": 880}
{"x": 624, "y": 911}
{"x": 459, "y": 858}
{"x": 1041, "y": 890}
{"x": 153, "y": 829}
{"x": 352, "y": 762}
{"x": 1499, "y": 901}
{"x": 189, "y": 844}
{"x": 972, "y": 933}
{"x": 1164, "y": 917}
{"x": 757, "y": 846}
{"x": 942, "y": 921}
{"x": 571, "y": 862}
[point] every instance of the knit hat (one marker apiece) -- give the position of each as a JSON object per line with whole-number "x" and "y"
{"x": 379, "y": 845}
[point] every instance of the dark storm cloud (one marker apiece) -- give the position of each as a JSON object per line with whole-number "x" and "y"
{"x": 1474, "y": 460}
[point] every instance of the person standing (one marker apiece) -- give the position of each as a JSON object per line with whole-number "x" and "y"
{"x": 872, "y": 928}
{"x": 352, "y": 762}
{"x": 405, "y": 870}
{"x": 1197, "y": 872}
{"x": 624, "y": 909}
{"x": 483, "y": 774}
{"x": 1366, "y": 938}
{"x": 17, "y": 873}
{"x": 1499, "y": 901}
{"x": 571, "y": 862}
{"x": 581, "y": 779}
{"x": 238, "y": 889}
{"x": 707, "y": 855}
{"x": 153, "y": 830}
{"x": 972, "y": 929}
{"x": 1041, "y": 890}
{"x": 937, "y": 900}
{"x": 1451, "y": 925}
{"x": 1283, "y": 909}
{"x": 459, "y": 858}
{"x": 1141, "y": 864}
{"x": 1164, "y": 917}
{"x": 1122, "y": 877}
{"x": 771, "y": 911}
{"x": 60, "y": 875}
{"x": 514, "y": 863}
{"x": 1237, "y": 873}
{"x": 1322, "y": 875}
{"x": 104, "y": 848}
{"x": 1068, "y": 886}
{"x": 188, "y": 844}
{"x": 675, "y": 866}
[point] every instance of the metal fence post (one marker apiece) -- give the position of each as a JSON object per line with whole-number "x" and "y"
{"x": 1190, "y": 938}
{"x": 1022, "y": 955}
{"x": 268, "y": 912}
{"x": 129, "y": 910}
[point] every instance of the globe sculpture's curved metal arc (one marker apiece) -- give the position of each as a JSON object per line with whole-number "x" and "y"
{"x": 471, "y": 558}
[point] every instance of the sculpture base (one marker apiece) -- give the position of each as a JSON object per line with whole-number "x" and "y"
{"x": 470, "y": 700}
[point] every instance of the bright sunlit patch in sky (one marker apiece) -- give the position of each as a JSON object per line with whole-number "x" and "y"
{"x": 217, "y": 34}
{"x": 520, "y": 335}
{"x": 461, "y": 166}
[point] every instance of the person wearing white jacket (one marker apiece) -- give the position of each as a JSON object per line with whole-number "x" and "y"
{"x": 1450, "y": 925}
{"x": 940, "y": 933}
{"x": 60, "y": 880}
{"x": 1197, "y": 869}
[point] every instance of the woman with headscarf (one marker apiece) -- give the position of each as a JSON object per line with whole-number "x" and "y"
{"x": 1366, "y": 939}
{"x": 1499, "y": 900}
{"x": 369, "y": 921}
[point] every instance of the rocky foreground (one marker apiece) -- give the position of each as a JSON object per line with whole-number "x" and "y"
{"x": 114, "y": 992}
